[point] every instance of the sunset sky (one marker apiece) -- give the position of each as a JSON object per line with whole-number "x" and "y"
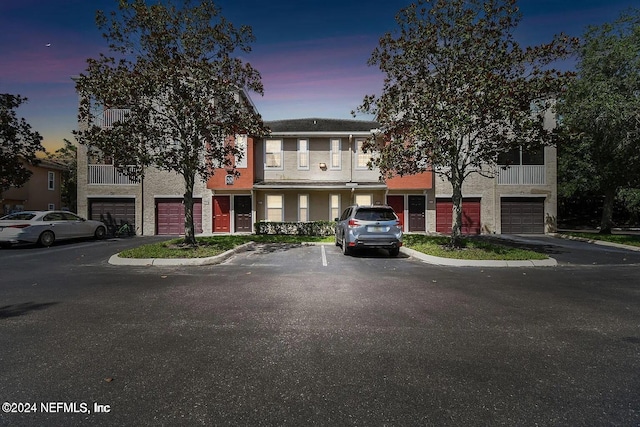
{"x": 312, "y": 55}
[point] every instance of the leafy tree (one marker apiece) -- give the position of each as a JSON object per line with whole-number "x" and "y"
{"x": 67, "y": 156}
{"x": 18, "y": 144}
{"x": 177, "y": 74}
{"x": 459, "y": 91}
{"x": 601, "y": 115}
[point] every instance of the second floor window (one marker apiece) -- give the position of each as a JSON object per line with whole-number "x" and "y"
{"x": 241, "y": 146}
{"x": 335, "y": 153}
{"x": 51, "y": 180}
{"x": 303, "y": 154}
{"x": 361, "y": 156}
{"x": 522, "y": 156}
{"x": 273, "y": 154}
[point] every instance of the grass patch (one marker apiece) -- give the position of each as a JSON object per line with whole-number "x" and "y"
{"x": 474, "y": 248}
{"x": 210, "y": 246}
{"x": 623, "y": 239}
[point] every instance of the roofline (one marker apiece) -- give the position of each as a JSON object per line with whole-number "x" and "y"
{"x": 324, "y": 133}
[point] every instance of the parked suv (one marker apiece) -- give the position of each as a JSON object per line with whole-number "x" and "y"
{"x": 369, "y": 227}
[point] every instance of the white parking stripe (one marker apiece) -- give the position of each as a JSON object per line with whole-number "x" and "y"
{"x": 324, "y": 256}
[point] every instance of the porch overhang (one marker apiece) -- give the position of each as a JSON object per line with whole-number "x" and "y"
{"x": 319, "y": 185}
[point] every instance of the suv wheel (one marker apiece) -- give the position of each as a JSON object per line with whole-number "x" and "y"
{"x": 394, "y": 251}
{"x": 345, "y": 247}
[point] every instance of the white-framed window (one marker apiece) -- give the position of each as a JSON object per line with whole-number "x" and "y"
{"x": 241, "y": 146}
{"x": 335, "y": 153}
{"x": 51, "y": 180}
{"x": 275, "y": 207}
{"x": 273, "y": 154}
{"x": 362, "y": 158}
{"x": 334, "y": 206}
{"x": 364, "y": 199}
{"x": 303, "y": 154}
{"x": 303, "y": 207}
{"x": 51, "y": 207}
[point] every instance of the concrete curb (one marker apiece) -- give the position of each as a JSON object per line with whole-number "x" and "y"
{"x": 117, "y": 260}
{"x": 549, "y": 262}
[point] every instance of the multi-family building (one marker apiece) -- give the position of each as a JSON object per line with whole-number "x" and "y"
{"x": 310, "y": 170}
{"x": 43, "y": 190}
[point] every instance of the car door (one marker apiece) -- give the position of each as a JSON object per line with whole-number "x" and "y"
{"x": 56, "y": 222}
{"x": 78, "y": 227}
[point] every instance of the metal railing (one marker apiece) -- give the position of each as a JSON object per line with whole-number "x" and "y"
{"x": 110, "y": 116}
{"x": 522, "y": 175}
{"x": 108, "y": 174}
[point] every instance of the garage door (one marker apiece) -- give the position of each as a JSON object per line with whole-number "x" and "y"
{"x": 113, "y": 212}
{"x": 522, "y": 215}
{"x": 170, "y": 216}
{"x": 470, "y": 216}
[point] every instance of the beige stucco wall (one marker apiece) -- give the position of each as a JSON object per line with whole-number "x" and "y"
{"x": 319, "y": 152}
{"x": 318, "y": 202}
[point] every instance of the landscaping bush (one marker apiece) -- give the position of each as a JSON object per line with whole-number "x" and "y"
{"x": 314, "y": 228}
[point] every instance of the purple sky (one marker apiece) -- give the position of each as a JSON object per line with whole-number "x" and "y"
{"x": 312, "y": 55}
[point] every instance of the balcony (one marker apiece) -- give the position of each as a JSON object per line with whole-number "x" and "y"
{"x": 110, "y": 116}
{"x": 522, "y": 175}
{"x": 108, "y": 175}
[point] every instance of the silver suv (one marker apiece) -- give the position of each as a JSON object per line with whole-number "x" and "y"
{"x": 369, "y": 227}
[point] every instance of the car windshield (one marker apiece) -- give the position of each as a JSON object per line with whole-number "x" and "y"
{"x": 375, "y": 214}
{"x": 19, "y": 216}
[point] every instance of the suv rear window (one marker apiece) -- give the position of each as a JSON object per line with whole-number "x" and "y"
{"x": 375, "y": 214}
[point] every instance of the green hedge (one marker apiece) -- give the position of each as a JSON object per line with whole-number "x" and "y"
{"x": 315, "y": 228}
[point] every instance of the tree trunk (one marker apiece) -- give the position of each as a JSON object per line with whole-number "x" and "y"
{"x": 456, "y": 224}
{"x": 606, "y": 223}
{"x": 189, "y": 229}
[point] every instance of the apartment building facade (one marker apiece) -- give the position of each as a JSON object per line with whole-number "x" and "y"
{"x": 311, "y": 170}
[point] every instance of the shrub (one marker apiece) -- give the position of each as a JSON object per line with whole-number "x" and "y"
{"x": 314, "y": 228}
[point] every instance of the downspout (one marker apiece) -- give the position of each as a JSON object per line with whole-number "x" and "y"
{"x": 350, "y": 158}
{"x": 142, "y": 202}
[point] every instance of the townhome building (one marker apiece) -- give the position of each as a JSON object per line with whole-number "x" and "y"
{"x": 311, "y": 170}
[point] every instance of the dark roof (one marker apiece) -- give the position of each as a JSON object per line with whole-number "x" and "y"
{"x": 321, "y": 125}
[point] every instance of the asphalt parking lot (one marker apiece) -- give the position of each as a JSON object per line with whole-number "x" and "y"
{"x": 302, "y": 335}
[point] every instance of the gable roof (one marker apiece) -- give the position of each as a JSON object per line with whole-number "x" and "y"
{"x": 316, "y": 125}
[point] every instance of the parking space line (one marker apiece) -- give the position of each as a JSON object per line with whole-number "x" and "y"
{"x": 324, "y": 256}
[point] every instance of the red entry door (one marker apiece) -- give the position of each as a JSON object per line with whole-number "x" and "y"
{"x": 221, "y": 209}
{"x": 397, "y": 203}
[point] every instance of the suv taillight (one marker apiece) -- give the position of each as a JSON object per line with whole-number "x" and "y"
{"x": 353, "y": 223}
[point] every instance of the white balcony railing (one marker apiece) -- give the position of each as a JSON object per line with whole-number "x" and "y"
{"x": 108, "y": 174}
{"x": 110, "y": 116}
{"x": 522, "y": 175}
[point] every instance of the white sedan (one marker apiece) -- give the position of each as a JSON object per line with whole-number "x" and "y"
{"x": 45, "y": 227}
